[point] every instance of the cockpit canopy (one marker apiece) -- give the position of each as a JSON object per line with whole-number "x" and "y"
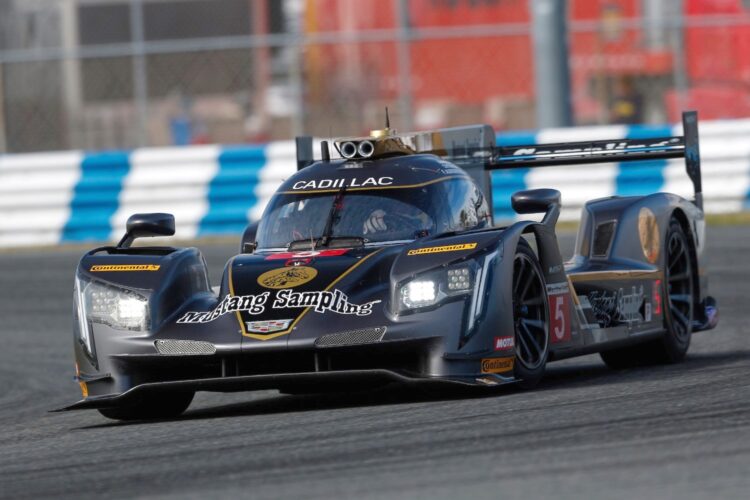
{"x": 385, "y": 212}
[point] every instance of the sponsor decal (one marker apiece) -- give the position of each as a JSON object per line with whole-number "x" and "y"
{"x": 586, "y": 314}
{"x": 253, "y": 304}
{"x": 334, "y": 301}
{"x": 555, "y": 269}
{"x": 444, "y": 248}
{"x": 124, "y": 268}
{"x": 497, "y": 365}
{"x": 504, "y": 343}
{"x": 612, "y": 308}
{"x": 648, "y": 232}
{"x": 559, "y": 305}
{"x": 287, "y": 277}
{"x": 268, "y": 326}
{"x": 629, "y": 305}
{"x": 558, "y": 288}
{"x": 340, "y": 302}
{"x": 339, "y": 183}
{"x": 324, "y": 301}
{"x": 604, "y": 148}
{"x": 308, "y": 254}
{"x": 524, "y": 151}
{"x": 298, "y": 262}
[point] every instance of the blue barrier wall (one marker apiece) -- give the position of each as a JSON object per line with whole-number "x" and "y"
{"x": 215, "y": 190}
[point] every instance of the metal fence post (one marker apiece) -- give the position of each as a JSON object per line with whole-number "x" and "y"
{"x": 551, "y": 71}
{"x": 680, "y": 64}
{"x": 140, "y": 72}
{"x": 403, "y": 55}
{"x": 71, "y": 71}
{"x": 297, "y": 86}
{"x": 3, "y": 142}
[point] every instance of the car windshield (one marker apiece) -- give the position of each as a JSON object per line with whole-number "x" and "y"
{"x": 370, "y": 216}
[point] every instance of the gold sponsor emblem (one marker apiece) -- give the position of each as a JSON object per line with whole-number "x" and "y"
{"x": 444, "y": 248}
{"x": 125, "y": 267}
{"x": 287, "y": 277}
{"x": 497, "y": 365}
{"x": 648, "y": 231}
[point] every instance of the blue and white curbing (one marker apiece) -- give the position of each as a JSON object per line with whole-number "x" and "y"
{"x": 73, "y": 197}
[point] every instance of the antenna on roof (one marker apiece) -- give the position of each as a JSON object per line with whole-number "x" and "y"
{"x": 386, "y": 131}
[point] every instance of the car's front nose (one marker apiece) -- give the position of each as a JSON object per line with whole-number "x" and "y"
{"x": 340, "y": 316}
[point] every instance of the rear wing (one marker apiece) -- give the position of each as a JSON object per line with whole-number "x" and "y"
{"x": 618, "y": 150}
{"x": 474, "y": 149}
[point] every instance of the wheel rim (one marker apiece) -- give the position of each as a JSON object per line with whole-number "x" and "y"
{"x": 679, "y": 286}
{"x": 529, "y": 313}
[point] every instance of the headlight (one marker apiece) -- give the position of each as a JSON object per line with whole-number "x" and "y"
{"x": 116, "y": 307}
{"x": 419, "y": 293}
{"x": 459, "y": 279}
{"x": 435, "y": 286}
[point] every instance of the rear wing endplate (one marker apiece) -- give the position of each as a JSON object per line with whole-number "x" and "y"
{"x": 616, "y": 150}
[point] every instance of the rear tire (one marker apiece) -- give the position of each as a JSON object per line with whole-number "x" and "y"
{"x": 151, "y": 407}
{"x": 530, "y": 317}
{"x": 677, "y": 290}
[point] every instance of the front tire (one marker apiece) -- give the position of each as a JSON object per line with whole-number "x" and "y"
{"x": 152, "y": 407}
{"x": 530, "y": 317}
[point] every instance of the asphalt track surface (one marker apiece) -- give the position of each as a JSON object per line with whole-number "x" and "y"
{"x": 680, "y": 431}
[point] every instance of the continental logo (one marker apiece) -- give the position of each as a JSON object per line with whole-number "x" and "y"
{"x": 497, "y": 365}
{"x": 125, "y": 268}
{"x": 287, "y": 277}
{"x": 444, "y": 248}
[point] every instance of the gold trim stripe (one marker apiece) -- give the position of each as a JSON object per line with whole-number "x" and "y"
{"x": 615, "y": 275}
{"x": 573, "y": 292}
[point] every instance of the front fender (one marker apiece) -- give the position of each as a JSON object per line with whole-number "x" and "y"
{"x": 171, "y": 277}
{"x": 489, "y": 312}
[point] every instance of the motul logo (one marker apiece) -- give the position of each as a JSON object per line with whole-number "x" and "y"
{"x": 504, "y": 343}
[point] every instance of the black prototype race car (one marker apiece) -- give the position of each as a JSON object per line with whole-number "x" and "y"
{"x": 385, "y": 266}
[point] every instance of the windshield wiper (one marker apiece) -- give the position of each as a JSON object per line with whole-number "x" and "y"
{"x": 326, "y": 239}
{"x": 335, "y": 207}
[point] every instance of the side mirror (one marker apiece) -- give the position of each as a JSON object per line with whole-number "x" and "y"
{"x": 248, "y": 244}
{"x": 147, "y": 225}
{"x": 534, "y": 201}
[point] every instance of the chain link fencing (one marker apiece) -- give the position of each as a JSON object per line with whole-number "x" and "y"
{"x": 117, "y": 74}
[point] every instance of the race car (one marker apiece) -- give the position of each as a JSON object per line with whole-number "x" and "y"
{"x": 381, "y": 263}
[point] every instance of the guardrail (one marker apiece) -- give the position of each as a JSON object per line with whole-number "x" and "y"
{"x": 69, "y": 197}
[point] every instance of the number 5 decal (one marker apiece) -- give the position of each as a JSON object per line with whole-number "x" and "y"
{"x": 559, "y": 317}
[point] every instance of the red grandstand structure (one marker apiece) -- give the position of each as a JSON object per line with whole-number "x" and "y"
{"x": 626, "y": 57}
